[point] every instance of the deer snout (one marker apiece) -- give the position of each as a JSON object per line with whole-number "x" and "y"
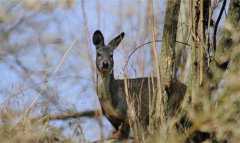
{"x": 105, "y": 65}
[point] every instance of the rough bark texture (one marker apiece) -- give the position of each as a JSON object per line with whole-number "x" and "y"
{"x": 169, "y": 90}
{"x": 183, "y": 58}
{"x": 205, "y": 78}
{"x": 173, "y": 89}
{"x": 198, "y": 79}
{"x": 167, "y": 56}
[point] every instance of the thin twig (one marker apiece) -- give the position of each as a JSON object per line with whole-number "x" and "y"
{"x": 64, "y": 57}
{"x": 217, "y": 23}
{"x": 140, "y": 46}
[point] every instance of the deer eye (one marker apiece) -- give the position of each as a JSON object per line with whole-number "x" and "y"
{"x": 99, "y": 55}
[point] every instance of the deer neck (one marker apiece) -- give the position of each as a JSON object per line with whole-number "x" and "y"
{"x": 106, "y": 84}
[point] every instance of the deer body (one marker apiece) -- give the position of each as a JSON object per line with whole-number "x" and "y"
{"x": 112, "y": 92}
{"x": 112, "y": 98}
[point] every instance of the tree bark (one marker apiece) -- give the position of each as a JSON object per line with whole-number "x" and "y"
{"x": 167, "y": 55}
{"x": 166, "y": 66}
{"x": 199, "y": 11}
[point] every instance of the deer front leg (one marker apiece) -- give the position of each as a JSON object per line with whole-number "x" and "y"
{"x": 122, "y": 132}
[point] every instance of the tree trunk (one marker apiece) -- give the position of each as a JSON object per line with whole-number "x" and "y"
{"x": 199, "y": 11}
{"x": 167, "y": 83}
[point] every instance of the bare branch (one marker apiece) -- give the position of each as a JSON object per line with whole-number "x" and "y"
{"x": 66, "y": 116}
{"x": 144, "y": 44}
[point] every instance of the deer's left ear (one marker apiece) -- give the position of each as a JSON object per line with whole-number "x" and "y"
{"x": 116, "y": 41}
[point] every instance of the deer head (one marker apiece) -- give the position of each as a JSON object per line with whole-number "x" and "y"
{"x": 104, "y": 53}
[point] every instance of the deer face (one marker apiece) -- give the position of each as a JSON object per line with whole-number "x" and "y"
{"x": 104, "y": 53}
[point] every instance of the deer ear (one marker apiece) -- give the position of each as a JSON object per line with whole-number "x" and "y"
{"x": 98, "y": 39}
{"x": 116, "y": 41}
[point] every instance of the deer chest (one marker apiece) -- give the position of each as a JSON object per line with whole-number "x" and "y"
{"x": 112, "y": 105}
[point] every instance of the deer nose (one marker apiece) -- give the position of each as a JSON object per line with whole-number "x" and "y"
{"x": 105, "y": 64}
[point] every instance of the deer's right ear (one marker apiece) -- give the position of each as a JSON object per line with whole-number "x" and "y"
{"x": 98, "y": 39}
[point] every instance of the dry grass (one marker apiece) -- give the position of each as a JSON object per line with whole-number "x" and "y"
{"x": 18, "y": 128}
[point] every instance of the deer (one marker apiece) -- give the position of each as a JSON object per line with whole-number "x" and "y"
{"x": 114, "y": 95}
